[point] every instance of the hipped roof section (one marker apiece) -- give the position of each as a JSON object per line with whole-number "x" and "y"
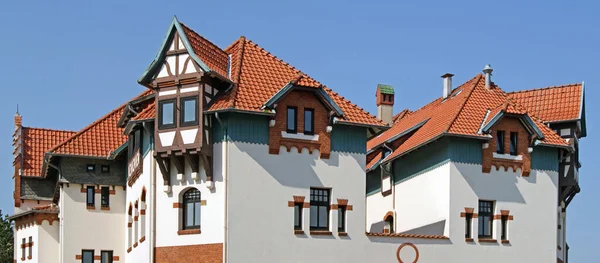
{"x": 465, "y": 112}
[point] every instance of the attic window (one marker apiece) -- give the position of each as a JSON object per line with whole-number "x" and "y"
{"x": 105, "y": 168}
{"x": 456, "y": 94}
{"x": 90, "y": 168}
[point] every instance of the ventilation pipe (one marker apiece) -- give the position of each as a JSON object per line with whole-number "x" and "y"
{"x": 447, "y": 84}
{"x": 488, "y": 76}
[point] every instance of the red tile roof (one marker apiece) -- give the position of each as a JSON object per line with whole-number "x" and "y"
{"x": 148, "y": 112}
{"x": 98, "y": 139}
{"x": 36, "y": 142}
{"x": 213, "y": 56}
{"x": 462, "y": 113}
{"x": 258, "y": 75}
{"x": 552, "y": 104}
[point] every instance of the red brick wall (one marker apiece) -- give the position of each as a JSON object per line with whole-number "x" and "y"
{"x": 209, "y": 253}
{"x": 301, "y": 100}
{"x": 508, "y": 125}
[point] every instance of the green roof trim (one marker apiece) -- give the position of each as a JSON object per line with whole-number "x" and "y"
{"x": 319, "y": 92}
{"x": 385, "y": 89}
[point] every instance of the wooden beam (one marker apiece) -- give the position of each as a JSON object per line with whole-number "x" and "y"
{"x": 192, "y": 159}
{"x": 163, "y": 166}
{"x": 207, "y": 164}
{"x": 179, "y": 164}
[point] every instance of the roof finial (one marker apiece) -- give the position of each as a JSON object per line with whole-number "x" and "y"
{"x": 18, "y": 109}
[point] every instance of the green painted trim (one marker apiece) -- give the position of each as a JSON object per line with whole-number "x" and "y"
{"x": 116, "y": 152}
{"x": 386, "y": 89}
{"x": 288, "y": 87}
{"x": 544, "y": 159}
{"x": 535, "y": 128}
{"x": 349, "y": 139}
{"x": 277, "y": 96}
{"x": 329, "y": 100}
{"x": 246, "y": 128}
{"x": 582, "y": 111}
{"x": 373, "y": 182}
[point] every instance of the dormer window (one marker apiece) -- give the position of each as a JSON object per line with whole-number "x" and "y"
{"x": 309, "y": 121}
{"x": 90, "y": 167}
{"x": 513, "y": 143}
{"x": 292, "y": 119}
{"x": 500, "y": 142}
{"x": 166, "y": 114}
{"x": 189, "y": 111}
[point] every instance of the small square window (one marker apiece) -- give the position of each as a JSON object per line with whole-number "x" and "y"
{"x": 309, "y": 121}
{"x": 106, "y": 256}
{"x": 105, "y": 168}
{"x": 189, "y": 111}
{"x": 166, "y": 114}
{"x": 87, "y": 256}
{"x": 291, "y": 120}
{"x": 90, "y": 168}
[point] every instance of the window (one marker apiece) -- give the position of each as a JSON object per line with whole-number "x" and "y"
{"x": 105, "y": 168}
{"x": 87, "y": 256}
{"x": 166, "y": 114}
{"x": 106, "y": 256}
{"x": 309, "y": 121}
{"x": 90, "y": 191}
{"x": 319, "y": 209}
{"x": 191, "y": 209}
{"x": 500, "y": 142}
{"x": 513, "y": 143}
{"x": 486, "y": 218}
{"x": 90, "y": 168}
{"x": 291, "y": 119}
{"x": 23, "y": 249}
{"x": 135, "y": 140}
{"x": 468, "y": 219}
{"x": 189, "y": 111}
{"x": 389, "y": 225}
{"x": 342, "y": 218}
{"x": 30, "y": 247}
{"x": 504, "y": 221}
{"x": 105, "y": 192}
{"x": 297, "y": 216}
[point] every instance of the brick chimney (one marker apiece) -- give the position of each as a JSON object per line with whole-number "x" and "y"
{"x": 18, "y": 158}
{"x": 385, "y": 103}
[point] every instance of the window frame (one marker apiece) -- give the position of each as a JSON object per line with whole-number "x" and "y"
{"x": 469, "y": 225}
{"x": 341, "y": 218}
{"x": 161, "y": 125}
{"x": 182, "y": 122}
{"x": 23, "y": 248}
{"x": 504, "y": 227}
{"x": 485, "y": 217}
{"x": 516, "y": 143}
{"x": 187, "y": 200}
{"x": 90, "y": 168}
{"x": 105, "y": 168}
{"x": 500, "y": 142}
{"x": 389, "y": 222}
{"x": 105, "y": 196}
{"x": 287, "y": 114}
{"x": 83, "y": 251}
{"x": 110, "y": 256}
{"x": 323, "y": 193}
{"x": 298, "y": 216}
{"x": 312, "y": 121}
{"x": 92, "y": 194}
{"x": 30, "y": 246}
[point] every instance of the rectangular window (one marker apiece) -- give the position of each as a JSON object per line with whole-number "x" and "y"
{"x": 486, "y": 217}
{"x": 166, "y": 114}
{"x": 504, "y": 222}
{"x": 309, "y": 121}
{"x": 298, "y": 216}
{"x": 342, "y": 219}
{"x": 105, "y": 168}
{"x": 513, "y": 143}
{"x": 30, "y": 247}
{"x": 104, "y": 197}
{"x": 23, "y": 249}
{"x": 468, "y": 219}
{"x": 91, "y": 192}
{"x": 90, "y": 167}
{"x": 319, "y": 209}
{"x": 189, "y": 111}
{"x": 500, "y": 142}
{"x": 291, "y": 119}
{"x": 87, "y": 256}
{"x": 106, "y": 256}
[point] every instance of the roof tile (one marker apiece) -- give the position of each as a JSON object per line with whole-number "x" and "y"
{"x": 214, "y": 57}
{"x": 36, "y": 142}
{"x": 552, "y": 104}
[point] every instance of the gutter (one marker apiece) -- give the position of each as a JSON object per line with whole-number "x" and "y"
{"x": 239, "y": 111}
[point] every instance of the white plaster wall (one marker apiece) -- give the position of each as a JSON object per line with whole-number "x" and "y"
{"x": 168, "y": 219}
{"x": 423, "y": 202}
{"x": 141, "y": 253}
{"x": 48, "y": 243}
{"x": 531, "y": 200}
{"x": 26, "y": 232}
{"x": 91, "y": 229}
{"x": 377, "y": 206}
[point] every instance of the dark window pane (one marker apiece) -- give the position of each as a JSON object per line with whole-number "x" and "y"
{"x": 468, "y": 225}
{"x": 291, "y": 119}
{"x": 87, "y": 256}
{"x": 106, "y": 257}
{"x": 500, "y": 142}
{"x": 197, "y": 213}
{"x": 90, "y": 195}
{"x": 308, "y": 121}
{"x": 504, "y": 225}
{"x": 168, "y": 108}
{"x": 313, "y": 216}
{"x": 513, "y": 143}
{"x": 105, "y": 194}
{"x": 189, "y": 113}
{"x": 486, "y": 209}
{"x": 191, "y": 209}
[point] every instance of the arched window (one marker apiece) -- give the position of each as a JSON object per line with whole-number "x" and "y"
{"x": 143, "y": 214}
{"x": 129, "y": 222}
{"x": 191, "y": 209}
{"x": 389, "y": 223}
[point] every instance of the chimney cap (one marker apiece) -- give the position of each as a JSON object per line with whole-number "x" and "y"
{"x": 488, "y": 69}
{"x": 447, "y": 75}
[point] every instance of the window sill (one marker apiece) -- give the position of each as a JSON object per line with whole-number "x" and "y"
{"x": 320, "y": 233}
{"x": 468, "y": 239}
{"x": 128, "y": 250}
{"x": 487, "y": 240}
{"x": 22, "y": 259}
{"x": 135, "y": 244}
{"x": 28, "y": 257}
{"x": 142, "y": 239}
{"x": 505, "y": 242}
{"x": 189, "y": 232}
{"x": 342, "y": 234}
{"x": 298, "y": 232}
{"x": 507, "y": 156}
{"x": 105, "y": 208}
{"x": 299, "y": 136}
{"x": 90, "y": 207}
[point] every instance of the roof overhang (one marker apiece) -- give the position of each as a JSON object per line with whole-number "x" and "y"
{"x": 128, "y": 108}
{"x": 325, "y": 98}
{"x": 400, "y": 135}
{"x": 524, "y": 118}
{"x": 15, "y": 216}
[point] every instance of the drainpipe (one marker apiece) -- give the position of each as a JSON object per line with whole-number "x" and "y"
{"x": 61, "y": 219}
{"x": 224, "y": 164}
{"x": 152, "y": 193}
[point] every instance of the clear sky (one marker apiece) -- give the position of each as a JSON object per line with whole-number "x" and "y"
{"x": 68, "y": 63}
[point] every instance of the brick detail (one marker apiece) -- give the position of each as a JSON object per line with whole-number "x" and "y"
{"x": 468, "y": 239}
{"x": 306, "y": 205}
{"x": 189, "y": 232}
{"x": 342, "y": 201}
{"x": 505, "y": 242}
{"x": 301, "y": 100}
{"x": 34, "y": 219}
{"x": 487, "y": 240}
{"x": 135, "y": 218}
{"x": 90, "y": 207}
{"x": 142, "y": 212}
{"x": 135, "y": 244}
{"x": 298, "y": 232}
{"x": 129, "y": 250}
{"x": 504, "y": 212}
{"x": 320, "y": 233}
{"x": 112, "y": 192}
{"x": 177, "y": 205}
{"x": 98, "y": 191}
{"x": 82, "y": 190}
{"x": 115, "y": 258}
{"x": 128, "y": 224}
{"x": 299, "y": 199}
{"x": 142, "y": 239}
{"x": 508, "y": 125}
{"x": 105, "y": 208}
{"x": 349, "y": 208}
{"x": 334, "y": 207}
{"x": 77, "y": 257}
{"x": 342, "y": 234}
{"x": 208, "y": 253}
{"x": 97, "y": 257}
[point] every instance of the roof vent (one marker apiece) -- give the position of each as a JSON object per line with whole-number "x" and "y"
{"x": 488, "y": 75}
{"x": 447, "y": 84}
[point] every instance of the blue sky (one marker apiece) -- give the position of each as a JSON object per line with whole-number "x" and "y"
{"x": 68, "y": 63}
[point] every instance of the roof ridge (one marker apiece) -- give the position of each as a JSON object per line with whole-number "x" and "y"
{"x": 462, "y": 106}
{"x": 47, "y": 129}
{"x": 545, "y": 88}
{"x": 196, "y": 33}
{"x": 226, "y": 49}
{"x": 238, "y": 71}
{"x": 269, "y": 54}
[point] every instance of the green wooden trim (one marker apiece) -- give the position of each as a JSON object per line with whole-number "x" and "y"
{"x": 544, "y": 158}
{"x": 319, "y": 92}
{"x": 386, "y": 89}
{"x": 349, "y": 139}
{"x": 249, "y": 128}
{"x": 373, "y": 185}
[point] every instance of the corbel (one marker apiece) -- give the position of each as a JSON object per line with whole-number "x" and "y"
{"x": 207, "y": 163}
{"x": 164, "y": 167}
{"x": 180, "y": 166}
{"x": 192, "y": 159}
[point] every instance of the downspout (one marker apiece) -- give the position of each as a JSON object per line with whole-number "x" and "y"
{"x": 61, "y": 220}
{"x": 224, "y": 165}
{"x": 153, "y": 195}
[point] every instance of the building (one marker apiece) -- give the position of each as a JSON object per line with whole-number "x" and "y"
{"x": 233, "y": 155}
